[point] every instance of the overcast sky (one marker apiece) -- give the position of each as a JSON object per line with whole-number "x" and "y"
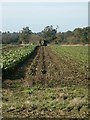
{"x": 67, "y": 15}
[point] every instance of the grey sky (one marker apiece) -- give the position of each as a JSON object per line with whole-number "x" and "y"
{"x": 66, "y": 15}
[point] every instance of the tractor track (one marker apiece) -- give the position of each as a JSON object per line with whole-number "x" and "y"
{"x": 44, "y": 84}
{"x": 37, "y": 71}
{"x": 45, "y": 67}
{"x": 51, "y": 70}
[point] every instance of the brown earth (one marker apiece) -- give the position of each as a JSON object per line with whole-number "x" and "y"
{"x": 47, "y": 69}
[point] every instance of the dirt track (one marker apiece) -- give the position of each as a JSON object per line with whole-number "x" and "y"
{"x": 23, "y": 97}
{"x": 47, "y": 68}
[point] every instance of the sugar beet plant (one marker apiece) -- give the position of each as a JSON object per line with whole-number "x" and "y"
{"x": 15, "y": 57}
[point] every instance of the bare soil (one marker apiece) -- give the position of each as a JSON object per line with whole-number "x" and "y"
{"x": 44, "y": 69}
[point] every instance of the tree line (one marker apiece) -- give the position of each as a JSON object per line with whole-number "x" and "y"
{"x": 77, "y": 36}
{"x": 49, "y": 34}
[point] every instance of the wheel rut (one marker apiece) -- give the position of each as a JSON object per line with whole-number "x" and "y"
{"x": 45, "y": 67}
{"x": 36, "y": 72}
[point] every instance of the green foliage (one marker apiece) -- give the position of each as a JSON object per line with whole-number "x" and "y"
{"x": 10, "y": 38}
{"x": 78, "y": 36}
{"x": 14, "y": 57}
{"x": 25, "y": 35}
{"x": 77, "y": 53}
{"x": 59, "y": 38}
{"x": 49, "y": 33}
{"x": 35, "y": 39}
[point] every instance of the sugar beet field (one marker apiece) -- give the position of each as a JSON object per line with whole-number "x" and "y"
{"x": 45, "y": 82}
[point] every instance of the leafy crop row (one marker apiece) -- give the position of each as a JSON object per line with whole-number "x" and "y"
{"x": 14, "y": 57}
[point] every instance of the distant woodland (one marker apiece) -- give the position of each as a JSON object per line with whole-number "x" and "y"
{"x": 50, "y": 34}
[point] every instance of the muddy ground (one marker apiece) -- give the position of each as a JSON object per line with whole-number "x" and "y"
{"x": 45, "y": 86}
